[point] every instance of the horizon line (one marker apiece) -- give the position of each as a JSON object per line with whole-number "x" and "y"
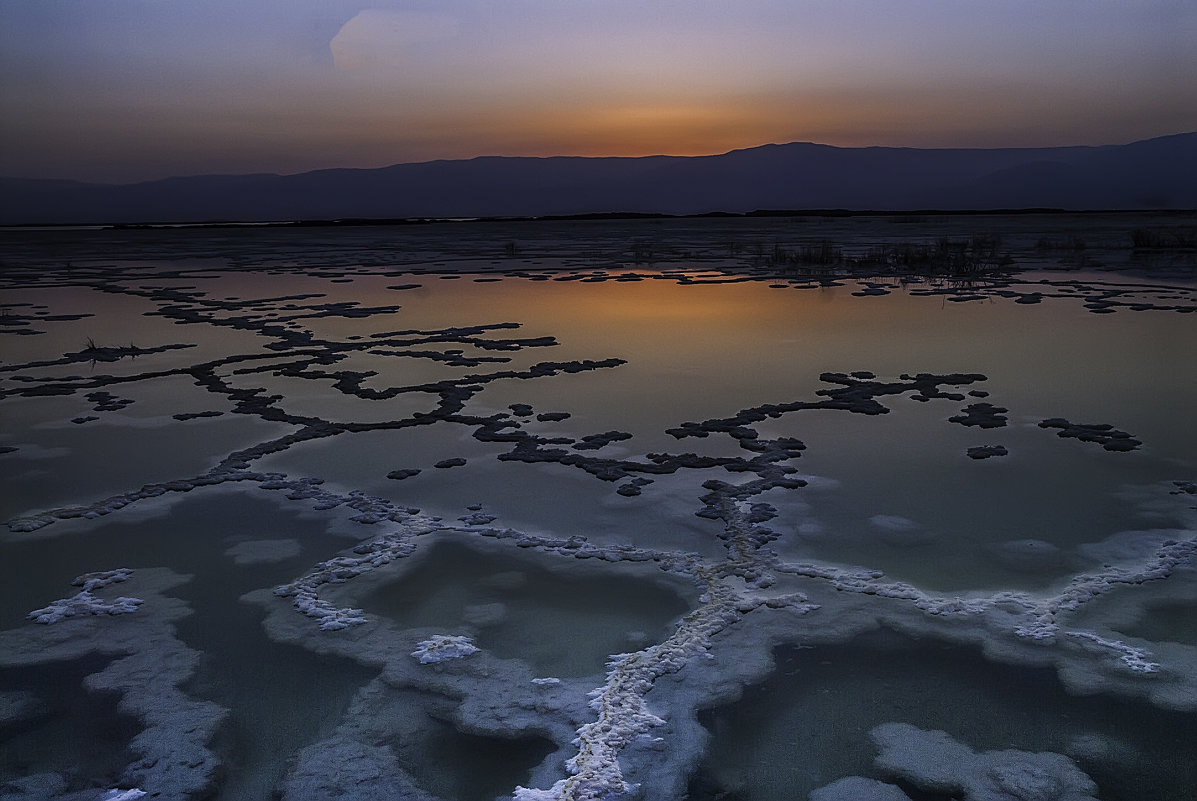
{"x": 577, "y": 156}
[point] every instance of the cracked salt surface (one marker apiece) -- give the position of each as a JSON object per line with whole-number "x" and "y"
{"x": 670, "y": 480}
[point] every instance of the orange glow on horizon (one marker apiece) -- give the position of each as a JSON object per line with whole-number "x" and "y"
{"x": 118, "y": 92}
{"x": 622, "y": 129}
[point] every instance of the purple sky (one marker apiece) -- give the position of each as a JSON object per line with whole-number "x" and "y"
{"x": 125, "y": 90}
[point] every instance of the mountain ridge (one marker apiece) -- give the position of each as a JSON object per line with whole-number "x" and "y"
{"x": 1146, "y": 174}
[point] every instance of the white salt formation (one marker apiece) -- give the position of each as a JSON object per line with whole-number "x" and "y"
{"x": 934, "y": 762}
{"x": 148, "y": 665}
{"x": 122, "y": 795}
{"x": 348, "y": 407}
{"x": 85, "y": 602}
{"x": 443, "y": 647}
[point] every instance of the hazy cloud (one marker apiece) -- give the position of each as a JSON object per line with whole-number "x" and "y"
{"x": 124, "y": 89}
{"x": 384, "y": 38}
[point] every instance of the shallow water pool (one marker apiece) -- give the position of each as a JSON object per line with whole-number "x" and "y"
{"x": 621, "y": 528}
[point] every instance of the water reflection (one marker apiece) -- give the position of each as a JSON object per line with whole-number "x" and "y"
{"x": 503, "y": 402}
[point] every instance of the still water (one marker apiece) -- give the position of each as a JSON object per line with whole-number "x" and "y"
{"x": 705, "y": 520}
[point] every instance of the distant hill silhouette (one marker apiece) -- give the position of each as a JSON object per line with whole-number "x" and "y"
{"x": 1152, "y": 174}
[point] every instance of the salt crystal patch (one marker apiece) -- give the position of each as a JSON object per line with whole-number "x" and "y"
{"x": 442, "y": 647}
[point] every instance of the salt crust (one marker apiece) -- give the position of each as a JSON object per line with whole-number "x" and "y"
{"x": 480, "y": 695}
{"x": 858, "y": 788}
{"x": 623, "y": 717}
{"x": 122, "y": 795}
{"x": 849, "y": 612}
{"x": 1011, "y": 626}
{"x": 1128, "y": 608}
{"x": 149, "y": 664}
{"x": 740, "y": 585}
{"x": 934, "y": 762}
{"x": 85, "y": 603}
{"x": 441, "y": 647}
{"x": 351, "y": 769}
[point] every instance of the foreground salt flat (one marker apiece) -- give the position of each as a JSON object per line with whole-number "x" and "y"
{"x": 383, "y": 504}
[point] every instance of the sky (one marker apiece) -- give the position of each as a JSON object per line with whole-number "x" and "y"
{"x": 119, "y": 91}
